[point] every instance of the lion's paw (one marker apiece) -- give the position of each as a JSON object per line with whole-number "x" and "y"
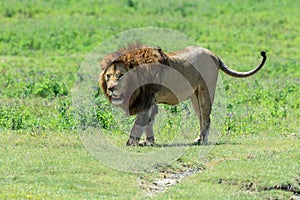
{"x": 200, "y": 141}
{"x": 133, "y": 141}
{"x": 148, "y": 142}
{"x": 197, "y": 141}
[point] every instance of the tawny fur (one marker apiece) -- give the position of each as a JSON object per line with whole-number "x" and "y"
{"x": 198, "y": 66}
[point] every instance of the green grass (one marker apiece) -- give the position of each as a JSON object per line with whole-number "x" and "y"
{"x": 56, "y": 166}
{"x": 244, "y": 167}
{"x": 42, "y": 45}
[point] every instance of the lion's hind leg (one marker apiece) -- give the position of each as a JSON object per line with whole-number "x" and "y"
{"x": 202, "y": 106}
{"x": 196, "y": 106}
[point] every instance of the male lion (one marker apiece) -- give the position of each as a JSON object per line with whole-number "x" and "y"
{"x": 138, "y": 77}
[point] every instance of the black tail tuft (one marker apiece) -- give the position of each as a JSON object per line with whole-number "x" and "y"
{"x": 263, "y": 54}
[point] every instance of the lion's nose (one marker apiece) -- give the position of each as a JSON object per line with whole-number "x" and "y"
{"x": 112, "y": 88}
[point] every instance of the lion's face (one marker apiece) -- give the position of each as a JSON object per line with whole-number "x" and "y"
{"x": 112, "y": 77}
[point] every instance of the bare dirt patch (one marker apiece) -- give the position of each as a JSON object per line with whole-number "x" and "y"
{"x": 168, "y": 179}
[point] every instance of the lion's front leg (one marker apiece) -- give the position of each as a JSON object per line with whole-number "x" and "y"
{"x": 149, "y": 135}
{"x": 135, "y": 135}
{"x": 140, "y": 125}
{"x": 149, "y": 130}
{"x": 143, "y": 122}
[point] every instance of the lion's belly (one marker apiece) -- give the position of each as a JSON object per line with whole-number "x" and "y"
{"x": 166, "y": 96}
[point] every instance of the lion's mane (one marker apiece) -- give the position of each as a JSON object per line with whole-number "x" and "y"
{"x": 136, "y": 56}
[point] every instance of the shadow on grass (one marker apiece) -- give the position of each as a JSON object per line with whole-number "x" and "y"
{"x": 193, "y": 144}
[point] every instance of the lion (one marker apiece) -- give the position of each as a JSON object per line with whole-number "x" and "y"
{"x": 138, "y": 77}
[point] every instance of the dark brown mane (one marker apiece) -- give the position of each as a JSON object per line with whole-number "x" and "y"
{"x": 134, "y": 55}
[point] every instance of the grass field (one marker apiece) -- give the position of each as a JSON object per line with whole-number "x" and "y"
{"x": 42, "y": 46}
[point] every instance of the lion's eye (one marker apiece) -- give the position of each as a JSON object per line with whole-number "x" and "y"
{"x": 107, "y": 76}
{"x": 120, "y": 75}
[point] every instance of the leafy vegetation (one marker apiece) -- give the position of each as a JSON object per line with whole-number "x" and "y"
{"x": 42, "y": 45}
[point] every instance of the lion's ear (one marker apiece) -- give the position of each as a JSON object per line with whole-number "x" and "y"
{"x": 163, "y": 58}
{"x": 102, "y": 83}
{"x": 108, "y": 59}
{"x": 158, "y": 48}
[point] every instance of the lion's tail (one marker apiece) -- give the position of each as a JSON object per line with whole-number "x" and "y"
{"x": 237, "y": 74}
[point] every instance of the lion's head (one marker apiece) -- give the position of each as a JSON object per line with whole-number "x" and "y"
{"x": 109, "y": 81}
{"x": 125, "y": 89}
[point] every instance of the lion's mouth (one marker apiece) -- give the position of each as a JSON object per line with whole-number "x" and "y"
{"x": 117, "y": 99}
